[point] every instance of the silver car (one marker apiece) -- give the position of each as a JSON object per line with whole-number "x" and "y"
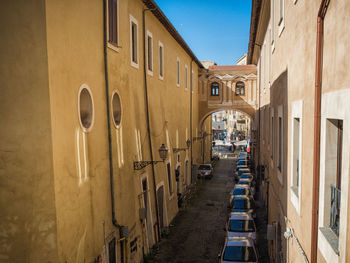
{"x": 238, "y": 249}
{"x": 240, "y": 189}
{"x": 205, "y": 171}
{"x": 243, "y": 203}
{"x": 248, "y": 182}
{"x": 241, "y": 224}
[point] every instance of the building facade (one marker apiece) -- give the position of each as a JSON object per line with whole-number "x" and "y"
{"x": 87, "y": 102}
{"x": 302, "y": 124}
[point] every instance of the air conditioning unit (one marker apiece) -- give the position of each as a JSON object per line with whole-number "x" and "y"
{"x": 271, "y": 232}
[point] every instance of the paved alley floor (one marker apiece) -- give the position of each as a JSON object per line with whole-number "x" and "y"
{"x": 197, "y": 233}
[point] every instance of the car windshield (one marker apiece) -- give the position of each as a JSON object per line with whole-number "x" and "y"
{"x": 240, "y": 191}
{"x": 204, "y": 167}
{"x": 241, "y": 225}
{"x": 243, "y": 204}
{"x": 244, "y": 182}
{"x": 238, "y": 253}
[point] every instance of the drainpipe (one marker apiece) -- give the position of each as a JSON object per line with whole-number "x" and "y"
{"x": 317, "y": 130}
{"x": 147, "y": 116}
{"x": 191, "y": 135}
{"x": 110, "y": 153}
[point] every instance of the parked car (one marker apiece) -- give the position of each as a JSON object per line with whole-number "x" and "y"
{"x": 205, "y": 171}
{"x": 240, "y": 189}
{"x": 248, "y": 182}
{"x": 242, "y": 203}
{"x": 243, "y": 170}
{"x": 238, "y": 249}
{"x": 241, "y": 224}
{"x": 242, "y": 162}
{"x": 241, "y": 166}
{"x": 247, "y": 176}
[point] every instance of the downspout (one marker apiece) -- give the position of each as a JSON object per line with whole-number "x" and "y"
{"x": 110, "y": 153}
{"x": 147, "y": 117}
{"x": 191, "y": 135}
{"x": 317, "y": 130}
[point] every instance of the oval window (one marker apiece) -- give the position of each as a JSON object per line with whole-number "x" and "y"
{"x": 86, "y": 108}
{"x": 116, "y": 109}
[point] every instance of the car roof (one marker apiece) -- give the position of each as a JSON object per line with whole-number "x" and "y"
{"x": 239, "y": 241}
{"x": 240, "y": 216}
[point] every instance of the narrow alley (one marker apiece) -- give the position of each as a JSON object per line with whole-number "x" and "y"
{"x": 197, "y": 233}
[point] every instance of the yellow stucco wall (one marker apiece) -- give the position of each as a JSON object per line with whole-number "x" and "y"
{"x": 27, "y": 200}
{"x": 81, "y": 166}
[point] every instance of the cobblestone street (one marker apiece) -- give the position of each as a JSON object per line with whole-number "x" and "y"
{"x": 197, "y": 233}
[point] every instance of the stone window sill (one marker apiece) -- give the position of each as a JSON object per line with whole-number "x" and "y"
{"x": 331, "y": 237}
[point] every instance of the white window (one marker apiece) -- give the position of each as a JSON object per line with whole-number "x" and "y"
{"x": 296, "y": 147}
{"x": 149, "y": 48}
{"x": 178, "y": 72}
{"x": 281, "y": 17}
{"x": 334, "y": 176}
{"x": 186, "y": 77}
{"x": 161, "y": 60}
{"x": 134, "y": 45}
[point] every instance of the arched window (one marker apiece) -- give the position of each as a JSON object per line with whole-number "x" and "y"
{"x": 240, "y": 90}
{"x": 214, "y": 89}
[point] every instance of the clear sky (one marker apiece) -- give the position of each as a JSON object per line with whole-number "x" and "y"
{"x": 216, "y": 30}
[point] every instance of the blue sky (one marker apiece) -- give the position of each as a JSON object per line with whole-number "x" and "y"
{"x": 215, "y": 30}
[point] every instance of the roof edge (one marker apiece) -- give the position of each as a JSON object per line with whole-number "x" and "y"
{"x": 254, "y": 21}
{"x": 158, "y": 13}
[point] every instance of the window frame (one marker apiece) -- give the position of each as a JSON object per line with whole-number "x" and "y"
{"x": 297, "y": 113}
{"x": 178, "y": 72}
{"x": 280, "y": 136}
{"x": 133, "y": 63}
{"x": 192, "y": 82}
{"x": 170, "y": 182}
{"x": 281, "y": 17}
{"x": 161, "y": 60}
{"x": 216, "y": 92}
{"x": 149, "y": 58}
{"x": 240, "y": 89}
{"x": 186, "y": 77}
{"x": 110, "y": 43}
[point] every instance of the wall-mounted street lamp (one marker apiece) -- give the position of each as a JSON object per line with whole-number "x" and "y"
{"x": 188, "y": 143}
{"x": 163, "y": 154}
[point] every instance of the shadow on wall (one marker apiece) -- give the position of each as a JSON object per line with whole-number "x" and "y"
{"x": 274, "y": 157}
